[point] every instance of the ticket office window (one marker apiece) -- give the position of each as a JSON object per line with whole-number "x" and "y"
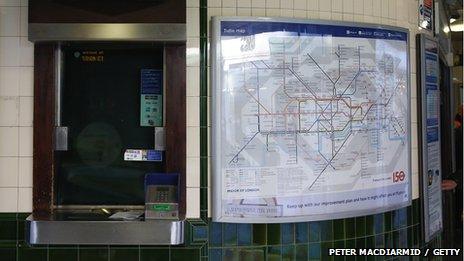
{"x": 99, "y": 102}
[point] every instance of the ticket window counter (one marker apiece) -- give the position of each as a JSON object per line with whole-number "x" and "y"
{"x": 106, "y": 115}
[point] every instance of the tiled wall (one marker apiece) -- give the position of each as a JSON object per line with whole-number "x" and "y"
{"x": 205, "y": 240}
{"x": 16, "y": 109}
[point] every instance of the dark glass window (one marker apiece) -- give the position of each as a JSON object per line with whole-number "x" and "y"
{"x": 100, "y": 104}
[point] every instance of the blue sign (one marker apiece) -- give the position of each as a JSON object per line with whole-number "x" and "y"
{"x": 246, "y": 28}
{"x": 151, "y": 81}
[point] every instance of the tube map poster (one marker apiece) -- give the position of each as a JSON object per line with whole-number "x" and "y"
{"x": 310, "y": 120}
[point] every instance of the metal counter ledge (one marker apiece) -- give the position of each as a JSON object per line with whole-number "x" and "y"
{"x": 93, "y": 230}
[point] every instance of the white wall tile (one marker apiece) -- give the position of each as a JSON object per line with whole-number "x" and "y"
{"x": 8, "y": 171}
{"x": 258, "y": 3}
{"x": 9, "y": 51}
{"x": 286, "y": 4}
{"x": 312, "y": 5}
{"x": 214, "y": 3}
{"x": 358, "y": 6}
{"x": 384, "y": 8}
{"x": 9, "y": 21}
{"x": 229, "y": 11}
{"x": 26, "y": 81}
{"x": 9, "y": 199}
{"x": 193, "y": 172}
{"x": 26, "y": 52}
{"x": 193, "y": 22}
{"x": 337, "y": 16}
{"x": 193, "y": 51}
{"x": 325, "y": 15}
{"x": 193, "y": 81}
{"x": 23, "y": 2}
{"x": 258, "y": 12}
{"x": 9, "y": 141}
{"x": 193, "y": 142}
{"x": 23, "y": 30}
{"x": 193, "y": 111}
{"x": 272, "y": 3}
{"x": 9, "y": 81}
{"x": 244, "y": 3}
{"x": 415, "y": 185}
{"x": 193, "y": 203}
{"x": 368, "y": 8}
{"x": 9, "y": 111}
{"x": 26, "y": 111}
{"x": 25, "y": 172}
{"x": 11, "y": 2}
{"x": 392, "y": 9}
{"x": 376, "y": 7}
{"x": 272, "y": 12}
{"x": 299, "y": 4}
{"x": 243, "y": 11}
{"x": 193, "y": 3}
{"x": 415, "y": 160}
{"x": 25, "y": 141}
{"x": 25, "y": 200}
{"x": 325, "y": 5}
{"x": 348, "y": 6}
{"x": 337, "y": 6}
{"x": 286, "y": 13}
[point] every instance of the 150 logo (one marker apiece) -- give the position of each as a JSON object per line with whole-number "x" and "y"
{"x": 398, "y": 176}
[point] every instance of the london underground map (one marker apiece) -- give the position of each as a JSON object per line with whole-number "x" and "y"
{"x": 312, "y": 121}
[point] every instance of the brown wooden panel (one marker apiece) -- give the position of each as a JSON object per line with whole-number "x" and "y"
{"x": 107, "y": 11}
{"x": 175, "y": 128}
{"x": 44, "y": 122}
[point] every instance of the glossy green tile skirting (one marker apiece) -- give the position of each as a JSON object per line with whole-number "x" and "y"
{"x": 206, "y": 240}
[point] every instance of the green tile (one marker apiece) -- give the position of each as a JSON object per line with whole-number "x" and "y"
{"x": 325, "y": 246}
{"x": 204, "y": 172}
{"x": 203, "y": 20}
{"x": 8, "y": 254}
{"x": 314, "y": 251}
{"x": 338, "y": 229}
{"x": 203, "y": 111}
{"x": 387, "y": 221}
{"x": 124, "y": 254}
{"x": 61, "y": 254}
{"x": 288, "y": 233}
{"x": 273, "y": 234}
{"x": 182, "y": 254}
{"x": 21, "y": 229}
{"x": 339, "y": 244}
{"x": 251, "y": 254}
{"x": 301, "y": 252}
{"x": 26, "y": 253}
{"x": 274, "y": 253}
{"x": 388, "y": 240}
{"x": 259, "y": 234}
{"x": 288, "y": 253}
{"x": 231, "y": 254}
{"x": 203, "y": 89}
{"x": 361, "y": 242}
{"x": 301, "y": 232}
{"x": 203, "y": 141}
{"x": 350, "y": 228}
{"x": 370, "y": 242}
{"x": 154, "y": 254}
{"x": 327, "y": 230}
{"x": 215, "y": 234}
{"x": 8, "y": 230}
{"x": 93, "y": 254}
{"x": 8, "y": 216}
{"x": 314, "y": 231}
{"x": 204, "y": 198}
{"x": 350, "y": 243}
{"x": 229, "y": 234}
{"x": 369, "y": 225}
{"x": 360, "y": 226}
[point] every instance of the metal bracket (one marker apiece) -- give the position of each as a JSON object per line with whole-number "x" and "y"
{"x": 61, "y": 138}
